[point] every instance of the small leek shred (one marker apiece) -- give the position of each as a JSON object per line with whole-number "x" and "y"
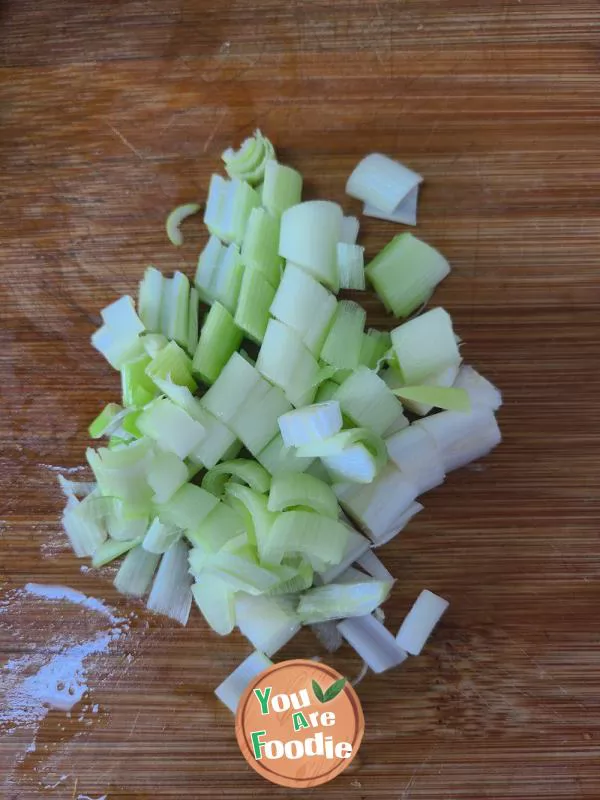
{"x": 175, "y": 219}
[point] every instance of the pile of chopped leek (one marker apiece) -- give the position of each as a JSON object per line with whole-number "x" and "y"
{"x": 257, "y": 487}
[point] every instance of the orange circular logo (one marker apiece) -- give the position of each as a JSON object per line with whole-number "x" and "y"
{"x": 299, "y": 723}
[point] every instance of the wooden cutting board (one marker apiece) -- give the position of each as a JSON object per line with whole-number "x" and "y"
{"x": 112, "y": 113}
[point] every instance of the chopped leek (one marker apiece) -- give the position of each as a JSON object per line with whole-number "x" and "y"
{"x": 85, "y": 530}
{"x": 372, "y": 565}
{"x": 137, "y": 388}
{"x": 278, "y": 459}
{"x": 121, "y": 318}
{"x": 351, "y": 265}
{"x": 171, "y": 593}
{"x": 242, "y": 470}
{"x": 291, "y": 491}
{"x": 219, "y": 339}
{"x": 107, "y": 421}
{"x": 285, "y": 361}
{"x": 238, "y": 571}
{"x": 171, "y": 363}
{"x": 250, "y": 161}
{"x": 342, "y": 600}
{"x": 326, "y": 392}
{"x": 227, "y": 279}
{"x": 461, "y": 437}
{"x": 439, "y": 397}
{"x": 304, "y": 305}
{"x": 208, "y": 265}
{"x": 171, "y": 427}
{"x": 282, "y": 188}
{"x": 153, "y": 342}
{"x": 175, "y": 308}
{"x": 309, "y": 236}
{"x": 253, "y": 509}
{"x": 252, "y": 312}
{"x": 228, "y": 208}
{"x": 111, "y": 549}
{"x": 136, "y": 572}
{"x": 405, "y": 273}
{"x": 425, "y": 345}
{"x": 216, "y": 602}
{"x": 381, "y": 182}
{"x": 260, "y": 245}
{"x": 376, "y": 507}
{"x": 222, "y": 525}
{"x": 255, "y": 424}
{"x": 175, "y": 219}
{"x": 481, "y": 392}
{"x": 398, "y": 526}
{"x": 349, "y": 230}
{"x": 77, "y": 489}
{"x": 405, "y": 212}
{"x": 373, "y": 642}
{"x": 188, "y": 507}
{"x": 373, "y": 347}
{"x": 356, "y": 546}
{"x": 417, "y": 457}
{"x": 119, "y": 338}
{"x": 356, "y": 454}
{"x": 343, "y": 343}
{"x": 307, "y": 534}
{"x": 366, "y": 400}
{"x": 232, "y": 688}
{"x": 166, "y": 474}
{"x": 160, "y": 536}
{"x": 420, "y": 621}
{"x": 150, "y": 298}
{"x": 193, "y": 321}
{"x": 228, "y": 393}
{"x": 267, "y": 622}
{"x": 310, "y": 424}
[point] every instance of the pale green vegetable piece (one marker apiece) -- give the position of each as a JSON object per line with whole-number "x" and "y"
{"x": 351, "y": 265}
{"x": 285, "y": 361}
{"x": 216, "y": 602}
{"x": 342, "y": 600}
{"x": 366, "y": 400}
{"x": 112, "y": 549}
{"x": 166, "y": 474}
{"x": 344, "y": 340}
{"x": 160, "y": 536}
{"x": 230, "y": 691}
{"x": 107, "y": 421}
{"x": 136, "y": 572}
{"x": 267, "y": 622}
{"x": 171, "y": 591}
{"x": 425, "y": 345}
{"x": 243, "y": 470}
{"x": 307, "y": 534}
{"x": 252, "y": 507}
{"x": 278, "y": 459}
{"x": 373, "y": 347}
{"x": 309, "y": 235}
{"x": 136, "y": 387}
{"x": 282, "y": 188}
{"x": 193, "y": 320}
{"x": 381, "y": 182}
{"x": 171, "y": 427}
{"x": 175, "y": 309}
{"x": 250, "y": 161}
{"x": 302, "y": 490}
{"x": 256, "y": 422}
{"x": 255, "y": 298}
{"x": 171, "y": 363}
{"x": 438, "y": 396}
{"x": 221, "y": 525}
{"x": 175, "y": 219}
{"x": 310, "y": 424}
{"x": 220, "y": 337}
{"x": 187, "y": 508}
{"x": 150, "y": 298}
{"x": 405, "y": 273}
{"x": 417, "y": 456}
{"x": 260, "y": 245}
{"x": 228, "y": 393}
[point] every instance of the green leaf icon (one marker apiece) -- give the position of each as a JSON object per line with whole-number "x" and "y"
{"x": 318, "y": 692}
{"x": 334, "y": 690}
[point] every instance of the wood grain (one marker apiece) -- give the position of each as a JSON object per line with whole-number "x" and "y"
{"x": 111, "y": 114}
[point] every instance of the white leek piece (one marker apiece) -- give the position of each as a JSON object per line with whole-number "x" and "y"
{"x": 352, "y": 455}
{"x": 121, "y": 317}
{"x": 373, "y": 642}
{"x": 226, "y": 280}
{"x": 149, "y": 299}
{"x": 309, "y": 236}
{"x": 381, "y": 182}
{"x": 351, "y": 265}
{"x": 374, "y": 567}
{"x": 450, "y": 399}
{"x": 124, "y": 521}
{"x": 122, "y": 473}
{"x": 153, "y": 342}
{"x": 231, "y": 690}
{"x": 479, "y": 389}
{"x": 282, "y": 188}
{"x": 302, "y": 490}
{"x": 166, "y": 474}
{"x": 418, "y": 458}
{"x": 171, "y": 363}
{"x": 267, "y": 622}
{"x": 303, "y": 304}
{"x": 171, "y": 427}
{"x": 219, "y": 442}
{"x": 344, "y": 340}
{"x": 209, "y": 261}
{"x": 175, "y": 219}
{"x": 160, "y": 536}
{"x": 136, "y": 572}
{"x": 257, "y": 517}
{"x": 285, "y": 361}
{"x": 355, "y": 463}
{"x": 405, "y": 212}
{"x": 326, "y": 392}
{"x": 228, "y": 394}
{"x": 260, "y": 245}
{"x": 175, "y": 308}
{"x": 356, "y": 547}
{"x": 219, "y": 527}
{"x": 460, "y": 437}
{"x": 376, "y": 507}
{"x": 342, "y": 600}
{"x": 243, "y": 470}
{"x": 119, "y": 338}
{"x": 420, "y": 621}
{"x": 237, "y": 570}
{"x": 367, "y": 401}
{"x": 405, "y": 273}
{"x": 310, "y": 424}
{"x": 349, "y": 230}
{"x": 228, "y": 208}
{"x": 425, "y": 345}
{"x": 442, "y": 379}
{"x": 307, "y": 534}
{"x": 137, "y": 388}
{"x": 193, "y": 320}
{"x": 85, "y": 530}
{"x": 171, "y": 591}
{"x": 249, "y": 162}
{"x": 255, "y": 424}
{"x": 216, "y": 602}
{"x": 219, "y": 339}
{"x": 254, "y": 301}
{"x": 278, "y": 459}
{"x": 399, "y": 525}
{"x": 78, "y": 489}
{"x": 188, "y": 507}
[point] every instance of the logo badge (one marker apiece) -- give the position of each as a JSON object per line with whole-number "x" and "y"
{"x": 299, "y": 723}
